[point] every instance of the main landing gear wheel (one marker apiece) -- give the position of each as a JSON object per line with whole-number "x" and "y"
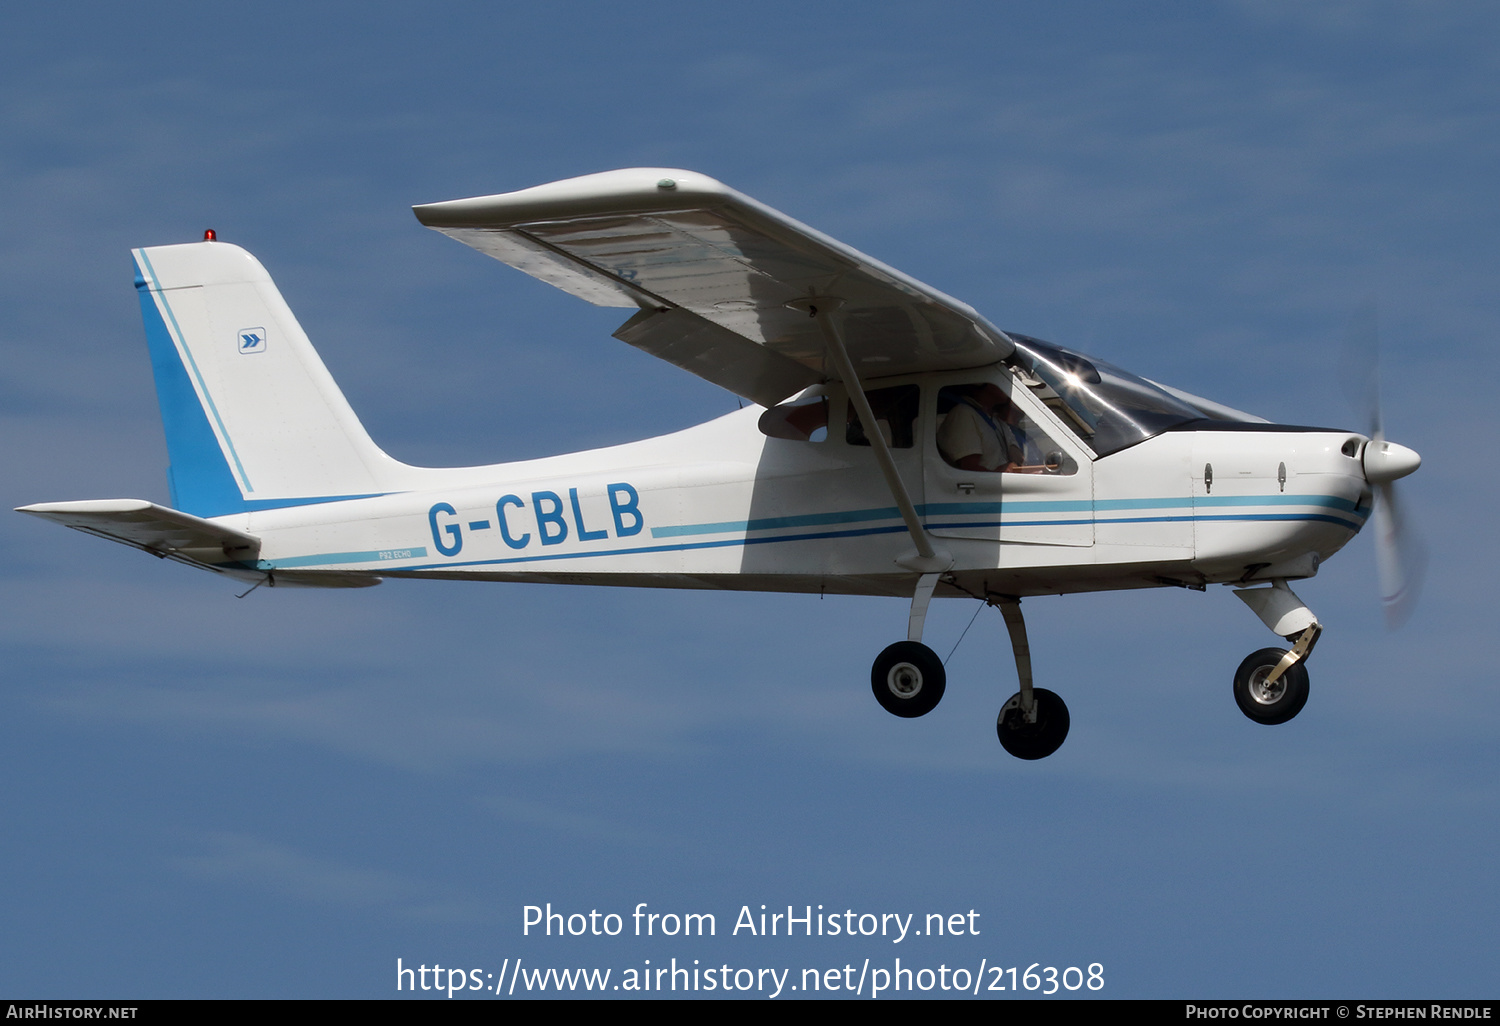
{"x": 908, "y": 679}
{"x": 1270, "y": 703}
{"x": 1033, "y": 740}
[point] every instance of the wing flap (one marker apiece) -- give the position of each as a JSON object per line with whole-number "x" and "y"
{"x": 730, "y": 360}
{"x": 666, "y": 239}
{"x": 526, "y": 254}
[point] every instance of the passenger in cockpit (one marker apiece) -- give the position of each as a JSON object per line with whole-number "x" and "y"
{"x": 981, "y": 431}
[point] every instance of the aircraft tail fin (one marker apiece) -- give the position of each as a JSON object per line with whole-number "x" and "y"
{"x": 253, "y": 418}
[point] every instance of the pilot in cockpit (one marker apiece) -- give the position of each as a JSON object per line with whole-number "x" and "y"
{"x": 981, "y": 432}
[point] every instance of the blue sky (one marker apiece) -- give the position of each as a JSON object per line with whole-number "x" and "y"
{"x": 281, "y": 795}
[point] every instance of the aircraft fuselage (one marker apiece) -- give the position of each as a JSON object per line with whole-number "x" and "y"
{"x": 722, "y": 505}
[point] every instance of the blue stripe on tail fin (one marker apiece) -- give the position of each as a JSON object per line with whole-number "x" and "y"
{"x": 198, "y": 474}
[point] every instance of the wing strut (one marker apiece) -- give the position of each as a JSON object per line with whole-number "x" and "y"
{"x": 927, "y": 558}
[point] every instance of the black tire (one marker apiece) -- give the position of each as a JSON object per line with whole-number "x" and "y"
{"x": 1034, "y": 740}
{"x": 908, "y": 679}
{"x": 1278, "y": 703}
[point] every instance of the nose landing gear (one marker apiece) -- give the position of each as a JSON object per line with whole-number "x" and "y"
{"x": 1271, "y": 685}
{"x": 1267, "y": 700}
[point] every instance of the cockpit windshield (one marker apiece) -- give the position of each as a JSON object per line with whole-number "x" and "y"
{"x": 1109, "y": 408}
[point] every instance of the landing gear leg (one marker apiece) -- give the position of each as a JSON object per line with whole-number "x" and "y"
{"x": 1034, "y": 722}
{"x": 1271, "y": 685}
{"x": 908, "y": 678}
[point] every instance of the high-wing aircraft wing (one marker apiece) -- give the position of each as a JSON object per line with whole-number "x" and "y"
{"x": 720, "y": 280}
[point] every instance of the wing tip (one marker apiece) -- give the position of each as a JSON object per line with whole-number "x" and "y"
{"x": 88, "y": 506}
{"x": 626, "y": 190}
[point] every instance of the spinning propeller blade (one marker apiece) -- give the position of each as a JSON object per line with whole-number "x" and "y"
{"x": 1400, "y": 556}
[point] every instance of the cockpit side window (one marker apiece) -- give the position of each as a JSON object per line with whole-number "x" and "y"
{"x": 895, "y": 410}
{"x": 804, "y": 419}
{"x": 981, "y": 429}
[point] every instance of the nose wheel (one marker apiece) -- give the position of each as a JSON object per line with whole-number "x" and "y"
{"x": 1265, "y": 696}
{"x": 1270, "y": 686}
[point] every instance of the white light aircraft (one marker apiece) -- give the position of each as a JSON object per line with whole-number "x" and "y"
{"x": 900, "y": 445}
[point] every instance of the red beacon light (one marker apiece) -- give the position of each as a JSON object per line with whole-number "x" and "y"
{"x": 209, "y": 235}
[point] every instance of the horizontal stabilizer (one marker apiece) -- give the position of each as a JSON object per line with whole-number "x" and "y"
{"x": 172, "y": 534}
{"x": 155, "y": 529}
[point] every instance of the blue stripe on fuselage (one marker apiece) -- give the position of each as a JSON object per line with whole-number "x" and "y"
{"x": 854, "y": 516}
